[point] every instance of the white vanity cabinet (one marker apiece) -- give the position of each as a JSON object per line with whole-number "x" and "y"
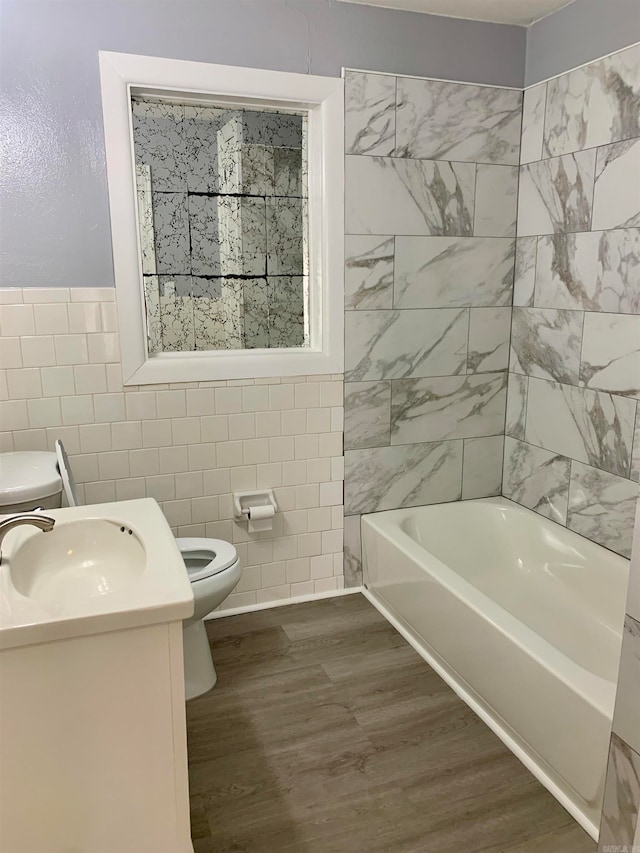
{"x": 93, "y": 753}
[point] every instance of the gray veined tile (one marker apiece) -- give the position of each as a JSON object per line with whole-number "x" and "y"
{"x": 489, "y": 334}
{"x": 257, "y": 170}
{"x": 611, "y": 353}
{"x": 635, "y": 456}
{"x": 533, "y": 123}
{"x": 370, "y": 113}
{"x": 213, "y": 140}
{"x": 594, "y": 105}
{"x": 447, "y": 407}
{"x": 368, "y": 281}
{"x": 536, "y": 478}
{"x": 626, "y": 717}
{"x": 385, "y": 195}
{"x": 447, "y": 272}
{"x": 482, "y": 467}
{"x": 405, "y": 475}
{"x": 496, "y": 201}
{"x": 159, "y": 143}
{"x": 517, "y": 387}
{"x": 546, "y": 343}
{"x": 284, "y": 236}
{"x": 218, "y": 313}
{"x": 171, "y": 227}
{"x": 590, "y": 426}
{"x": 556, "y": 195}
{"x": 367, "y": 414}
{"x": 592, "y": 271}
{"x": 352, "y": 551}
{"x": 287, "y": 172}
{"x": 602, "y": 507}
{"x": 397, "y": 344}
{"x": 454, "y": 121}
{"x": 228, "y": 235}
{"x": 525, "y": 271}
{"x": 616, "y": 197}
{"x": 176, "y": 314}
{"x": 621, "y": 807}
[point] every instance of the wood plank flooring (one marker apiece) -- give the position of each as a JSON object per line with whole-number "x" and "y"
{"x": 327, "y": 733}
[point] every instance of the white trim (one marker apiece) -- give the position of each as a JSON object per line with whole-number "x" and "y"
{"x": 323, "y": 98}
{"x": 583, "y": 65}
{"x": 299, "y": 599}
{"x": 492, "y": 722}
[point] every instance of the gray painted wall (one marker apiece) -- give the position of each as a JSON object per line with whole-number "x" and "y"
{"x": 55, "y": 224}
{"x": 581, "y": 32}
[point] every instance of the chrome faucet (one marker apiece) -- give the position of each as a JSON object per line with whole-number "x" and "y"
{"x": 43, "y": 522}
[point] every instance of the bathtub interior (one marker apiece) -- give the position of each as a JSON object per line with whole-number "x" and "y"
{"x": 562, "y": 586}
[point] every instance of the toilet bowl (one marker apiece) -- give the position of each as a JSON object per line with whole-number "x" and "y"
{"x": 214, "y": 571}
{"x": 37, "y": 479}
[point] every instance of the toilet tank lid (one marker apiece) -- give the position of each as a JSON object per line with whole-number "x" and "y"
{"x": 27, "y": 475}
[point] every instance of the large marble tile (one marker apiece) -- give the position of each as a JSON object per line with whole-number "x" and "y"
{"x": 455, "y": 121}
{"x": 517, "y": 388}
{"x": 602, "y": 507}
{"x": 159, "y": 143}
{"x": 367, "y": 414}
{"x": 446, "y": 272}
{"x": 496, "y": 201}
{"x": 590, "y": 426}
{"x": 593, "y": 271}
{"x": 621, "y": 807}
{"x": 616, "y": 197}
{"x": 489, "y": 334}
{"x": 397, "y": 344}
{"x": 525, "y": 271}
{"x": 218, "y": 313}
{"x": 536, "y": 478}
{"x": 352, "y": 551}
{"x": 635, "y": 455}
{"x": 611, "y": 353}
{"x": 533, "y": 123}
{"x": 368, "y": 278}
{"x": 546, "y": 342}
{"x": 626, "y": 717}
{"x": 369, "y": 113}
{"x": 556, "y": 195}
{"x": 482, "y": 467}
{"x": 447, "y": 407}
{"x": 594, "y": 105}
{"x": 406, "y": 475}
{"x": 171, "y": 230}
{"x": 387, "y": 195}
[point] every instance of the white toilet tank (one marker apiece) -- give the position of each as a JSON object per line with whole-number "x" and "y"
{"x": 29, "y": 479}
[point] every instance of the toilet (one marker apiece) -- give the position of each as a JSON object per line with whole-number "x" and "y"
{"x": 32, "y": 479}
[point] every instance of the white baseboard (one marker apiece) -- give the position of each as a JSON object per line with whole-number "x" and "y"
{"x": 268, "y": 605}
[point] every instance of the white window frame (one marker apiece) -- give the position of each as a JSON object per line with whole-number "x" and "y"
{"x": 323, "y": 99}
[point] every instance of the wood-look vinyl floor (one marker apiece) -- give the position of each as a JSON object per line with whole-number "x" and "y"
{"x": 327, "y": 733}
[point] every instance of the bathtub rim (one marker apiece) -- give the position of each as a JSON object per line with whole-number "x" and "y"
{"x": 487, "y": 718}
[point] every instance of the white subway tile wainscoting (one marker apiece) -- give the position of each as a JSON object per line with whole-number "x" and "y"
{"x": 188, "y": 445}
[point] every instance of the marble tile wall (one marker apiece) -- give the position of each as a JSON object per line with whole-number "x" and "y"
{"x": 431, "y": 202}
{"x": 572, "y": 428}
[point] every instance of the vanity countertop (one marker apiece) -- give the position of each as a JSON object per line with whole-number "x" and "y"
{"x": 54, "y": 589}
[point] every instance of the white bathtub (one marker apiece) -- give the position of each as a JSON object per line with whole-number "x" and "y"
{"x": 522, "y": 617}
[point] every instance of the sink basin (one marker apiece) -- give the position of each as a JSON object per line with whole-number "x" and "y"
{"x": 77, "y": 560}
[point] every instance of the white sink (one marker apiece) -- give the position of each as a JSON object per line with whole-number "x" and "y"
{"x": 79, "y": 559}
{"x": 105, "y": 567}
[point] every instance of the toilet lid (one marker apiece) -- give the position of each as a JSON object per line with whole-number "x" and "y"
{"x": 206, "y": 557}
{"x": 68, "y": 480}
{"x": 27, "y": 475}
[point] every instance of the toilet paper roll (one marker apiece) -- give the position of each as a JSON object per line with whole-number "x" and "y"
{"x": 261, "y": 518}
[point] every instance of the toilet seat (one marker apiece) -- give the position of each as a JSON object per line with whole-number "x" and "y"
{"x": 206, "y": 557}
